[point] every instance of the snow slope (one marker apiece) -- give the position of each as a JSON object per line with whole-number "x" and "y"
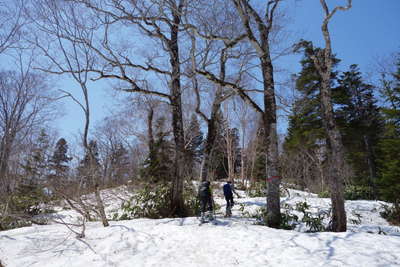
{"x": 231, "y": 242}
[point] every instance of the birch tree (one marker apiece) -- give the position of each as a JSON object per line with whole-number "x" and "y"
{"x": 12, "y": 22}
{"x": 259, "y": 28}
{"x": 67, "y": 56}
{"x": 323, "y": 62}
{"x": 159, "y": 61}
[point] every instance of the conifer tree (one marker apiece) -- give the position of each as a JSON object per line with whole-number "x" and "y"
{"x": 36, "y": 165}
{"x": 194, "y": 145}
{"x": 119, "y": 165}
{"x": 389, "y": 146}
{"x": 158, "y": 167}
{"x": 60, "y": 159}
{"x": 306, "y": 134}
{"x": 89, "y": 166}
{"x": 360, "y": 122}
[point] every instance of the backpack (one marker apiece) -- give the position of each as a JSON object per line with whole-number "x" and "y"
{"x": 227, "y": 190}
{"x": 204, "y": 191}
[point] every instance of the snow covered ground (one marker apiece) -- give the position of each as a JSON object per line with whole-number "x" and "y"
{"x": 232, "y": 241}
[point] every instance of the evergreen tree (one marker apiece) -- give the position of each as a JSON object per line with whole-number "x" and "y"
{"x": 233, "y": 135}
{"x": 60, "y": 159}
{"x": 119, "y": 164}
{"x": 360, "y": 122}
{"x": 194, "y": 145}
{"x": 36, "y": 166}
{"x": 306, "y": 133}
{"x": 89, "y": 166}
{"x": 305, "y": 124}
{"x": 259, "y": 172}
{"x": 389, "y": 146}
{"x": 158, "y": 167}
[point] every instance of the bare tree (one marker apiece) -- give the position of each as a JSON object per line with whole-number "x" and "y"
{"x": 68, "y": 56}
{"x": 25, "y": 106}
{"x": 258, "y": 28}
{"x": 336, "y": 149}
{"x": 221, "y": 94}
{"x": 11, "y": 24}
{"x": 160, "y": 22}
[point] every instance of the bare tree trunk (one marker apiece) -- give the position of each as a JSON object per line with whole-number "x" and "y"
{"x": 100, "y": 206}
{"x": 209, "y": 143}
{"x": 335, "y": 159}
{"x": 5, "y": 150}
{"x": 323, "y": 63}
{"x": 371, "y": 166}
{"x": 177, "y": 121}
{"x": 272, "y": 171}
{"x": 215, "y": 109}
{"x": 150, "y": 130}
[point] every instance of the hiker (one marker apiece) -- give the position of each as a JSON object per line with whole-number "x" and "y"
{"x": 228, "y": 193}
{"x": 206, "y": 200}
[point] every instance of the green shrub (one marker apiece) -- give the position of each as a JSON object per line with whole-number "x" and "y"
{"x": 313, "y": 222}
{"x": 11, "y": 222}
{"x": 354, "y": 192}
{"x": 154, "y": 202}
{"x": 289, "y": 220}
{"x": 22, "y": 205}
{"x": 391, "y": 214}
{"x": 257, "y": 190}
{"x": 149, "y": 202}
{"x": 324, "y": 194}
{"x": 357, "y": 220}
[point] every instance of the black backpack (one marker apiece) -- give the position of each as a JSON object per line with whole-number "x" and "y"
{"x": 204, "y": 190}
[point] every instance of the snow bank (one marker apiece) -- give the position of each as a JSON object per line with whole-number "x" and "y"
{"x": 181, "y": 242}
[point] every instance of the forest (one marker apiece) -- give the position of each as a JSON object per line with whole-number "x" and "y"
{"x": 198, "y": 97}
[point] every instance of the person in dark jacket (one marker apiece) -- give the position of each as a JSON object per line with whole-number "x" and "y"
{"x": 206, "y": 200}
{"x": 228, "y": 193}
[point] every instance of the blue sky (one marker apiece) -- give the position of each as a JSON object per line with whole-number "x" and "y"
{"x": 367, "y": 32}
{"x": 371, "y": 29}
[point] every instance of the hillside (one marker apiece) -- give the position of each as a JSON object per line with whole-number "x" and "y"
{"x": 232, "y": 241}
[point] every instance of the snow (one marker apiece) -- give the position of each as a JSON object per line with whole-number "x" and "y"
{"x": 232, "y": 241}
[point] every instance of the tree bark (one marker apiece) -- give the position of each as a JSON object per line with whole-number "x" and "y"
{"x": 335, "y": 159}
{"x": 177, "y": 203}
{"x": 371, "y": 165}
{"x": 271, "y": 136}
{"x": 335, "y": 145}
{"x": 210, "y": 140}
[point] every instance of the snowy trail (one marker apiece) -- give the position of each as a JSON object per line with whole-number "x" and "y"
{"x": 180, "y": 242}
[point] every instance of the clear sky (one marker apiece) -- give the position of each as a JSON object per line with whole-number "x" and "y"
{"x": 367, "y": 32}
{"x": 371, "y": 29}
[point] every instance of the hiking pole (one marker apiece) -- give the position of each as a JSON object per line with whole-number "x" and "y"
{"x": 214, "y": 213}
